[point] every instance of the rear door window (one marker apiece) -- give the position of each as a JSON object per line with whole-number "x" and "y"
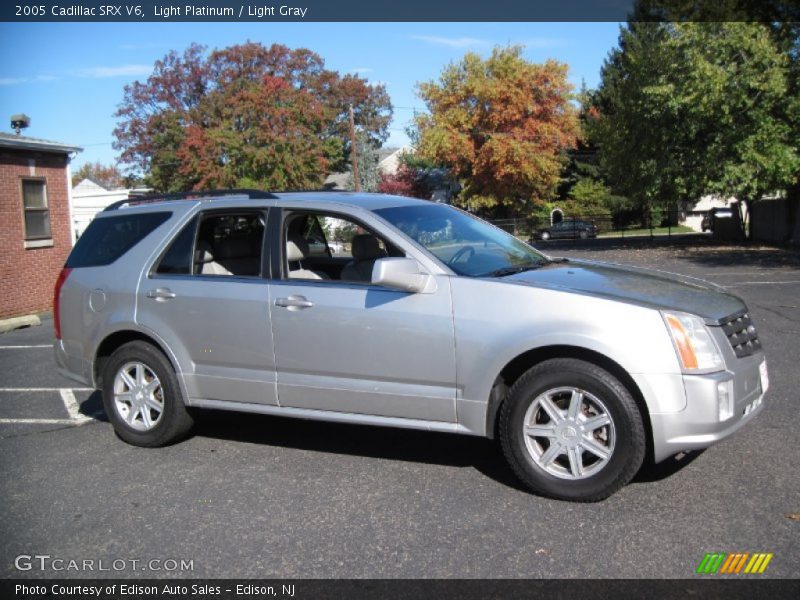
{"x": 108, "y": 238}
{"x": 217, "y": 243}
{"x": 230, "y": 244}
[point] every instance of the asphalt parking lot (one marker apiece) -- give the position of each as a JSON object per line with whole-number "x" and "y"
{"x": 251, "y": 496}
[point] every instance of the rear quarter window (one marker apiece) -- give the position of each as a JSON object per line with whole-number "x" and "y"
{"x": 108, "y": 238}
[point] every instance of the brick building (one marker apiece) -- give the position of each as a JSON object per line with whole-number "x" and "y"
{"x": 35, "y": 223}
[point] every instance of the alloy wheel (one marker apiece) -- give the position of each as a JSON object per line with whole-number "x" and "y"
{"x": 138, "y": 396}
{"x": 569, "y": 433}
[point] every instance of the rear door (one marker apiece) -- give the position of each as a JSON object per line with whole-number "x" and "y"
{"x": 206, "y": 296}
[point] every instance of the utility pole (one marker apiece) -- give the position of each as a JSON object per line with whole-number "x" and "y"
{"x": 353, "y": 151}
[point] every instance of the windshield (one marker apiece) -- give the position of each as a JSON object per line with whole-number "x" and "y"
{"x": 468, "y": 245}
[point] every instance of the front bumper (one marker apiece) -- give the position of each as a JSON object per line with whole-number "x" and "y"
{"x": 699, "y": 424}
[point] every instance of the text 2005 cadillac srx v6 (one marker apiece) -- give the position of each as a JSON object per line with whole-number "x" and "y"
{"x": 382, "y": 310}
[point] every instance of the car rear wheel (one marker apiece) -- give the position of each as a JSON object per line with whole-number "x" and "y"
{"x": 545, "y": 235}
{"x": 142, "y": 397}
{"x": 570, "y": 430}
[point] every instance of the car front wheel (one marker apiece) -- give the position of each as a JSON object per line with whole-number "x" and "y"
{"x": 142, "y": 397}
{"x": 570, "y": 430}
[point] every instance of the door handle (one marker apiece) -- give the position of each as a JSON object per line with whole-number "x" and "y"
{"x": 294, "y": 302}
{"x": 161, "y": 294}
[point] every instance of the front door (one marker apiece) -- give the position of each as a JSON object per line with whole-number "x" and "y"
{"x": 348, "y": 346}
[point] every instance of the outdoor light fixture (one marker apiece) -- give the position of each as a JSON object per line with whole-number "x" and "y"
{"x": 20, "y": 122}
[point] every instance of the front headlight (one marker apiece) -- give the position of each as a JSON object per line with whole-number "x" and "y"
{"x": 695, "y": 348}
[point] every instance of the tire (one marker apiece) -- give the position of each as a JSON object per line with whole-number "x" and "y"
{"x": 142, "y": 397}
{"x": 550, "y": 387}
{"x": 583, "y": 234}
{"x": 545, "y": 236}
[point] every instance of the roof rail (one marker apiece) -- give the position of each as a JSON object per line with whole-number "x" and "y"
{"x": 135, "y": 200}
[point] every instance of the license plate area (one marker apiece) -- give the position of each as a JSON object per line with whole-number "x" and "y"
{"x": 762, "y": 368}
{"x": 753, "y": 405}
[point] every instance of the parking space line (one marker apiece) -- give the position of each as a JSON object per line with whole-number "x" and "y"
{"x": 44, "y": 421}
{"x": 71, "y": 404}
{"x": 46, "y": 389}
{"x": 25, "y": 347}
{"x": 67, "y": 396}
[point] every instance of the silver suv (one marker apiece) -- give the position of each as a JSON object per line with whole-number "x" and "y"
{"x": 383, "y": 310}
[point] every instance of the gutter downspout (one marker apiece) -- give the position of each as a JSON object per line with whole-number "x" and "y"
{"x": 72, "y": 236}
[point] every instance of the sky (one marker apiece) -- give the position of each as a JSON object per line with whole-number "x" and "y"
{"x": 69, "y": 77}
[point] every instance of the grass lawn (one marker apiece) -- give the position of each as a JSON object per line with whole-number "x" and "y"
{"x": 656, "y": 231}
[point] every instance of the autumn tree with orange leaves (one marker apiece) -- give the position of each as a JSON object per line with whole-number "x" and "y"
{"x": 503, "y": 126}
{"x": 107, "y": 176}
{"x": 245, "y": 116}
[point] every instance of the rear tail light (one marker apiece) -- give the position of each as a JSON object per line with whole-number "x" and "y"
{"x": 62, "y": 277}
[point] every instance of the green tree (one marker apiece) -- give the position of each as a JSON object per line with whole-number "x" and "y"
{"x": 367, "y": 164}
{"x": 502, "y": 126}
{"x": 688, "y": 109}
{"x": 589, "y": 197}
{"x": 582, "y": 188}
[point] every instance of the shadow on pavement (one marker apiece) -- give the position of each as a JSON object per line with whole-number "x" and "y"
{"x": 393, "y": 444}
{"x": 744, "y": 256}
{"x": 93, "y": 407}
{"x": 656, "y": 472}
{"x": 701, "y": 250}
{"x": 360, "y": 440}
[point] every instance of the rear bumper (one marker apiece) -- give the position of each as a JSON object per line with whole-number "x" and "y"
{"x": 700, "y": 424}
{"x": 72, "y": 367}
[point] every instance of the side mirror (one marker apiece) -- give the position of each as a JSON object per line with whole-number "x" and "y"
{"x": 402, "y": 274}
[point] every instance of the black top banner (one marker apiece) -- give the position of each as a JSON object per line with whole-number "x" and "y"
{"x": 398, "y": 10}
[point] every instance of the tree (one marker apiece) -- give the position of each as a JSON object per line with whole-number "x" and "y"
{"x": 588, "y": 197}
{"x": 582, "y": 189}
{"x": 259, "y": 135}
{"x": 247, "y": 115}
{"x": 502, "y": 125}
{"x": 367, "y": 164}
{"x": 107, "y": 176}
{"x": 407, "y": 181}
{"x": 688, "y": 109}
{"x": 401, "y": 183}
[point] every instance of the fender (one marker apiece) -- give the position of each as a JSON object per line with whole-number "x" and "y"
{"x": 121, "y": 327}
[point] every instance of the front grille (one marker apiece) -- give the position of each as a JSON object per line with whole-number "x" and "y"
{"x": 742, "y": 334}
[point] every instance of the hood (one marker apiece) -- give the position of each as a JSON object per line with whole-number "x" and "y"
{"x": 635, "y": 285}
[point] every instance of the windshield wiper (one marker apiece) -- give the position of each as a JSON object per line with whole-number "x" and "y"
{"x": 502, "y": 272}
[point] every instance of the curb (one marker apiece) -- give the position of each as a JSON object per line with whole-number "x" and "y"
{"x": 17, "y": 322}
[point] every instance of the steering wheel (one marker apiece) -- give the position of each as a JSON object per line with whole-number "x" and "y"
{"x": 461, "y": 252}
